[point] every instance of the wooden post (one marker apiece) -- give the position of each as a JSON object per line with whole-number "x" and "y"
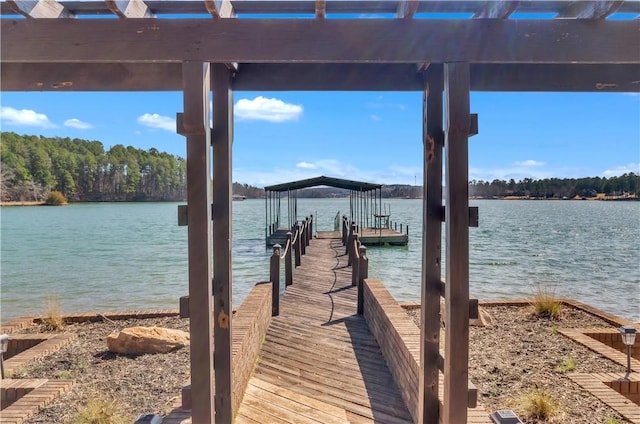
{"x": 274, "y": 277}
{"x": 303, "y": 239}
{"x": 307, "y": 231}
{"x": 222, "y": 239}
{"x": 311, "y": 228}
{"x": 344, "y": 231}
{"x": 456, "y": 361}
{"x": 364, "y": 274}
{"x": 433, "y": 139}
{"x": 352, "y": 230}
{"x": 288, "y": 268}
{"x": 297, "y": 245}
{"x": 195, "y": 83}
{"x": 355, "y": 262}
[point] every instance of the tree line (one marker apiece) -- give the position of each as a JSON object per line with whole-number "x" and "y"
{"x": 33, "y": 166}
{"x": 624, "y": 186}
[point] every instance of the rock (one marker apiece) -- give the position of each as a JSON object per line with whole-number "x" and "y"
{"x": 141, "y": 340}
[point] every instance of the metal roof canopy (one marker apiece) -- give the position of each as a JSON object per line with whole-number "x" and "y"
{"x": 324, "y": 181}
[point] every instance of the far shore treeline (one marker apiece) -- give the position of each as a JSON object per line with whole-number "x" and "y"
{"x": 33, "y": 166}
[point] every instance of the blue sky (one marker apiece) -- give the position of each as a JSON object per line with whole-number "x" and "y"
{"x": 377, "y": 137}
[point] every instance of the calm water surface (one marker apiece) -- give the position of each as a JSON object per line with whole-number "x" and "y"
{"x": 134, "y": 256}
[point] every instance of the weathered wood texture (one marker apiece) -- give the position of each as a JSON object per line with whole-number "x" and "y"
{"x": 433, "y": 142}
{"x": 318, "y": 348}
{"x": 456, "y": 85}
{"x": 287, "y": 40}
{"x": 222, "y": 138}
{"x": 250, "y": 325}
{"x": 196, "y": 128}
{"x": 313, "y": 77}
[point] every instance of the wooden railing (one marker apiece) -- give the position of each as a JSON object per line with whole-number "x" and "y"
{"x": 297, "y": 242}
{"x": 357, "y": 259}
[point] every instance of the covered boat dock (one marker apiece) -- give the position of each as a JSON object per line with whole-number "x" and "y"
{"x": 366, "y": 211}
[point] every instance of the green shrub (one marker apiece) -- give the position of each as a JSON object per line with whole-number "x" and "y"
{"x": 56, "y": 198}
{"x": 546, "y": 304}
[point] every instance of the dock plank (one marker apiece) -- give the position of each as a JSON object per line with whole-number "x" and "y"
{"x": 319, "y": 357}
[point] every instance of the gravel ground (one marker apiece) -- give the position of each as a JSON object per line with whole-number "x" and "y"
{"x": 515, "y": 353}
{"x": 139, "y": 384}
{"x": 519, "y": 352}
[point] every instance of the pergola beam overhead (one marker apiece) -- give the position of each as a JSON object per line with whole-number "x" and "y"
{"x": 129, "y": 8}
{"x": 496, "y": 10}
{"x": 590, "y": 9}
{"x": 39, "y": 8}
{"x": 315, "y": 77}
{"x": 334, "y": 40}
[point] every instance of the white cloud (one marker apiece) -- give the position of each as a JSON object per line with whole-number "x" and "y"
{"x": 623, "y": 169}
{"x": 78, "y": 124}
{"x": 153, "y": 120}
{"x": 375, "y": 118}
{"x": 25, "y": 117}
{"x": 529, "y": 162}
{"x": 263, "y": 109}
{"x": 306, "y": 165}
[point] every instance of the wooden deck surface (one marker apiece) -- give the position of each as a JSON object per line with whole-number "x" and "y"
{"x": 319, "y": 362}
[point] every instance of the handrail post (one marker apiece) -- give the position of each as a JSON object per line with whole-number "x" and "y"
{"x": 310, "y": 227}
{"x": 307, "y": 231}
{"x": 344, "y": 230}
{"x": 288, "y": 269}
{"x": 350, "y": 238}
{"x": 364, "y": 274}
{"x": 274, "y": 276}
{"x": 297, "y": 244}
{"x": 355, "y": 261}
{"x": 352, "y": 253}
{"x": 303, "y": 237}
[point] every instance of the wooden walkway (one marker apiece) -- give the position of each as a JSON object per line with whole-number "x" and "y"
{"x": 319, "y": 362}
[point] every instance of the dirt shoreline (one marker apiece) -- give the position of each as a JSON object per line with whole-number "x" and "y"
{"x": 515, "y": 353}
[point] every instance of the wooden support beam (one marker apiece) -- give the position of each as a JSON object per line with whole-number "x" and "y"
{"x": 433, "y": 140}
{"x": 321, "y": 9}
{"x": 407, "y": 8}
{"x": 196, "y": 128}
{"x": 184, "y": 307}
{"x": 219, "y": 8}
{"x": 311, "y": 77}
{"x": 501, "y": 9}
{"x": 547, "y": 41}
{"x": 590, "y": 9}
{"x": 39, "y": 9}
{"x": 129, "y": 8}
{"x": 456, "y": 375}
{"x": 222, "y": 137}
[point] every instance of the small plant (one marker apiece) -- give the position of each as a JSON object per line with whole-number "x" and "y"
{"x": 55, "y": 198}
{"x": 612, "y": 420}
{"x": 16, "y": 373}
{"x": 66, "y": 375}
{"x": 52, "y": 319}
{"x": 538, "y": 404}
{"x": 100, "y": 410}
{"x": 546, "y": 304}
{"x": 554, "y": 329}
{"x": 568, "y": 364}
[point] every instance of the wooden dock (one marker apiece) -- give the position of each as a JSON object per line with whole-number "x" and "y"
{"x": 319, "y": 361}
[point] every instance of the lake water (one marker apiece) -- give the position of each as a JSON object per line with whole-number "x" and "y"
{"x": 134, "y": 256}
